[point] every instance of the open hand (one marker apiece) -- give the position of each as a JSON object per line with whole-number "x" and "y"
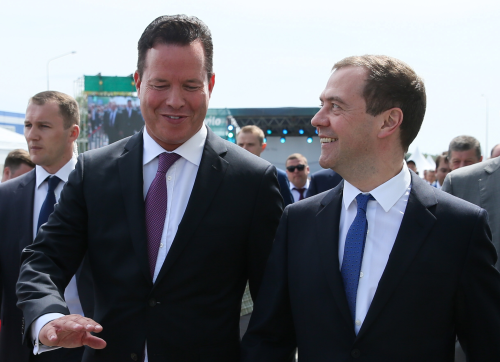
{"x": 71, "y": 331}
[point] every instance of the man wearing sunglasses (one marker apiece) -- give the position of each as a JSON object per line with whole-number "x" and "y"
{"x": 297, "y": 171}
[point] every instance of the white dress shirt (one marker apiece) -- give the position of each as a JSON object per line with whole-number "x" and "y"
{"x": 180, "y": 179}
{"x": 71, "y": 293}
{"x": 295, "y": 193}
{"x": 384, "y": 216}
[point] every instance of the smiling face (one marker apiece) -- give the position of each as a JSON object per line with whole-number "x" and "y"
{"x": 347, "y": 133}
{"x": 50, "y": 144}
{"x": 174, "y": 92}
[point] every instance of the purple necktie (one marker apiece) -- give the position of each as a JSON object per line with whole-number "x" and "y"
{"x": 156, "y": 207}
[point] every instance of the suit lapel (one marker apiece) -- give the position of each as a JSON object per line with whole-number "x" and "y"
{"x": 210, "y": 174}
{"x": 327, "y": 220}
{"x": 131, "y": 179}
{"x": 25, "y": 195}
{"x": 416, "y": 224}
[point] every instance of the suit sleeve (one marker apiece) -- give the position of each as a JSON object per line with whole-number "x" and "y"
{"x": 266, "y": 216}
{"x": 54, "y": 257}
{"x": 271, "y": 335}
{"x": 478, "y": 298}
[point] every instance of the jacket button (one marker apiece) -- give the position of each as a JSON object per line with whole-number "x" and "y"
{"x": 134, "y": 357}
{"x": 355, "y": 353}
{"x": 152, "y": 302}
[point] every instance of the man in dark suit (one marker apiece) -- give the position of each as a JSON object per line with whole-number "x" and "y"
{"x": 129, "y": 121}
{"x": 51, "y": 127}
{"x": 321, "y": 181}
{"x": 174, "y": 219}
{"x": 384, "y": 267}
{"x": 110, "y": 123}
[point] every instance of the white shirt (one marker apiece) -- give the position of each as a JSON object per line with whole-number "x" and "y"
{"x": 295, "y": 193}
{"x": 180, "y": 179}
{"x": 71, "y": 293}
{"x": 384, "y": 216}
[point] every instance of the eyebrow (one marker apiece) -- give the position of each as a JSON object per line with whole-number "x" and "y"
{"x": 334, "y": 99}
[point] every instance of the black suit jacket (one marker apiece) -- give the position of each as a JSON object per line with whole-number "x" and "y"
{"x": 192, "y": 311}
{"x": 16, "y": 233}
{"x": 439, "y": 281}
{"x": 321, "y": 181}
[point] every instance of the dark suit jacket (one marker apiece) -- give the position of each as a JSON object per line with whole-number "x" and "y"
{"x": 439, "y": 281}
{"x": 16, "y": 232}
{"x": 321, "y": 181}
{"x": 192, "y": 311}
{"x": 285, "y": 187}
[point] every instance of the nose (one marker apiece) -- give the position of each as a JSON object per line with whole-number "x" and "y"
{"x": 175, "y": 98}
{"x": 320, "y": 119}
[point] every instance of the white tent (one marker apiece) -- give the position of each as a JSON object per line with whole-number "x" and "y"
{"x": 431, "y": 162}
{"x": 421, "y": 162}
{"x": 10, "y": 141}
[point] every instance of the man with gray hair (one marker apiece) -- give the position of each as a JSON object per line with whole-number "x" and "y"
{"x": 464, "y": 151}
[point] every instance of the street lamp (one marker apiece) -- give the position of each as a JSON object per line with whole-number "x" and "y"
{"x": 60, "y": 56}
{"x": 486, "y": 140}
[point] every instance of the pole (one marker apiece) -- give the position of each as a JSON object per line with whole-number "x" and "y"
{"x": 59, "y": 56}
{"x": 486, "y": 139}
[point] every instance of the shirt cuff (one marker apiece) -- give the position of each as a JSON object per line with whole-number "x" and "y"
{"x": 36, "y": 326}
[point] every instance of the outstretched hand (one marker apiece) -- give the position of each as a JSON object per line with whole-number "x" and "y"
{"x": 71, "y": 331}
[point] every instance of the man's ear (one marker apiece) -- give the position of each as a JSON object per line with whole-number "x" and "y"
{"x": 264, "y": 145}
{"x": 211, "y": 83}
{"x": 6, "y": 173}
{"x": 392, "y": 119}
{"x": 137, "y": 81}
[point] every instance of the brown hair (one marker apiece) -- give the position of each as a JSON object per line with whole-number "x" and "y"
{"x": 68, "y": 108}
{"x": 442, "y": 157}
{"x": 256, "y": 131}
{"x": 179, "y": 30}
{"x": 296, "y": 156}
{"x": 16, "y": 158}
{"x": 392, "y": 83}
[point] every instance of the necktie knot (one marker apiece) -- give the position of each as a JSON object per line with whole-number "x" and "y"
{"x": 362, "y": 201}
{"x": 166, "y": 160}
{"x": 53, "y": 181}
{"x": 301, "y": 192}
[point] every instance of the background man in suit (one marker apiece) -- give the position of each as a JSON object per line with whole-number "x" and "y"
{"x": 251, "y": 138}
{"x": 174, "y": 219}
{"x": 464, "y": 151}
{"x": 479, "y": 184}
{"x": 51, "y": 128}
{"x": 110, "y": 123}
{"x": 322, "y": 180}
{"x": 442, "y": 169}
{"x": 129, "y": 121}
{"x": 16, "y": 163}
{"x": 297, "y": 171}
{"x": 383, "y": 268}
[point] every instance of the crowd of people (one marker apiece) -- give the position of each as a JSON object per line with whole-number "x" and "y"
{"x": 111, "y": 122}
{"x": 159, "y": 245}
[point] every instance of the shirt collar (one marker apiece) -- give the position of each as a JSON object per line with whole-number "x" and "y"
{"x": 306, "y": 186}
{"x": 191, "y": 150}
{"x": 63, "y": 173}
{"x": 386, "y": 194}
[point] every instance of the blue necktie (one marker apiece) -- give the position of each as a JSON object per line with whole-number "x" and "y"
{"x": 50, "y": 201}
{"x": 353, "y": 252}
